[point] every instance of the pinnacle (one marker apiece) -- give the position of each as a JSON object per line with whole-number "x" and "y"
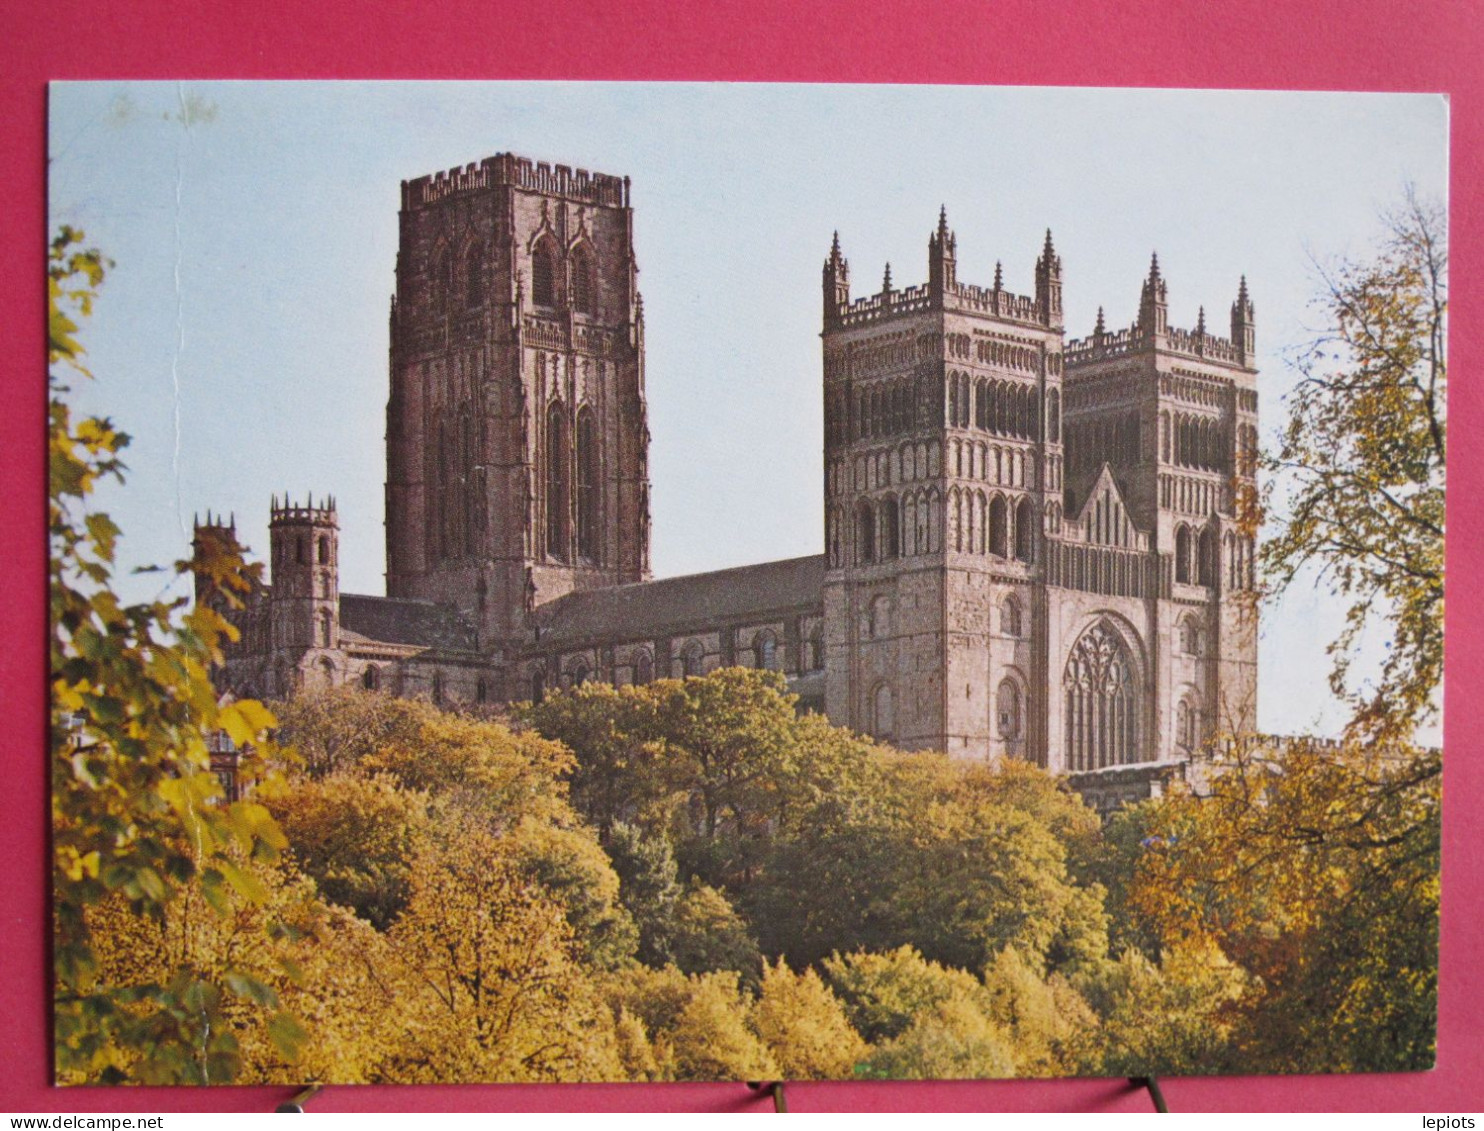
{"x": 1100, "y": 328}
{"x": 886, "y": 282}
{"x": 943, "y": 220}
{"x": 999, "y": 276}
{"x": 1154, "y": 265}
{"x": 1200, "y": 321}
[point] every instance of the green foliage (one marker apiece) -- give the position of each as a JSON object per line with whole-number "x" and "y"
{"x": 1361, "y": 465}
{"x": 137, "y": 814}
{"x": 805, "y": 1027}
{"x": 708, "y": 934}
{"x": 953, "y": 1039}
{"x": 882, "y": 993}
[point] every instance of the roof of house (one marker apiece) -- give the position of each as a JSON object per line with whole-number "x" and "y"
{"x": 395, "y": 620}
{"x": 675, "y": 605}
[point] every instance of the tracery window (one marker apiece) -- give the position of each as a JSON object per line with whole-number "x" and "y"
{"x": 582, "y": 282}
{"x": 643, "y": 667}
{"x": 543, "y": 274}
{"x": 1101, "y": 726}
{"x": 765, "y": 651}
{"x": 587, "y": 486}
{"x": 1010, "y": 617}
{"x": 557, "y": 460}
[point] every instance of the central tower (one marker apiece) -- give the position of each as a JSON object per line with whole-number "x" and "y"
{"x": 517, "y": 439}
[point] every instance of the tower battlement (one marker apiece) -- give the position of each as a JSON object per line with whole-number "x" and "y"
{"x": 943, "y": 291}
{"x": 1197, "y": 343}
{"x": 517, "y": 172}
{"x": 286, "y": 512}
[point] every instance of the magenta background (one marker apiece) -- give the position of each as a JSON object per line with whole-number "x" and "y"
{"x": 1312, "y": 44}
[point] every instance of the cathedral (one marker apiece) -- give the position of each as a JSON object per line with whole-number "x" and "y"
{"x": 1032, "y": 543}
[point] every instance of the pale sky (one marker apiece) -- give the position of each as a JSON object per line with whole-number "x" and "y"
{"x": 242, "y": 335}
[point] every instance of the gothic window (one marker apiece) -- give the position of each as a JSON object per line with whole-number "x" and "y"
{"x": 1008, "y": 709}
{"x": 1010, "y": 617}
{"x": 438, "y": 280}
{"x": 890, "y": 530}
{"x": 1101, "y": 721}
{"x": 815, "y": 662}
{"x": 371, "y": 679}
{"x": 557, "y": 463}
{"x": 474, "y": 275}
{"x": 865, "y": 535}
{"x": 999, "y": 535}
{"x": 878, "y": 617}
{"x": 1025, "y": 531}
{"x": 643, "y": 667}
{"x": 326, "y": 628}
{"x": 1187, "y": 725}
{"x": 327, "y": 671}
{"x": 587, "y": 486}
{"x": 881, "y": 712}
{"x": 438, "y": 688}
{"x": 301, "y": 554}
{"x": 578, "y": 673}
{"x": 543, "y": 274}
{"x": 538, "y": 685}
{"x": 481, "y": 690}
{"x": 467, "y": 495}
{"x": 1190, "y": 637}
{"x": 1182, "y": 555}
{"x": 765, "y": 652}
{"x": 582, "y": 282}
{"x": 324, "y": 549}
{"x": 1053, "y": 416}
{"x": 1208, "y": 559}
{"x": 690, "y": 659}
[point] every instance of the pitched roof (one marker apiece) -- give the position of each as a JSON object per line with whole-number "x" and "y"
{"x": 649, "y": 609}
{"x": 395, "y": 620}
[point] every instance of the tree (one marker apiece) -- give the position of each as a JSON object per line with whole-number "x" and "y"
{"x": 1316, "y": 869}
{"x": 1358, "y": 476}
{"x": 804, "y": 1026}
{"x": 136, "y": 812}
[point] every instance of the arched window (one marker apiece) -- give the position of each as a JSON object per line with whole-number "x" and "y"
{"x": 324, "y": 549}
{"x": 643, "y": 667}
{"x": 1010, "y": 618}
{"x": 1190, "y": 636}
{"x": 327, "y": 671}
{"x": 438, "y": 687}
{"x": 558, "y": 460}
{"x": 474, "y": 275}
{"x": 371, "y": 678}
{"x": 588, "y": 541}
{"x": 578, "y": 673}
{"x": 881, "y": 713}
{"x": 1182, "y": 555}
{"x": 1099, "y": 685}
{"x": 1025, "y": 531}
{"x": 765, "y": 651}
{"x": 1208, "y": 557}
{"x": 999, "y": 536}
{"x": 691, "y": 659}
{"x": 538, "y": 685}
{"x": 865, "y": 535}
{"x": 582, "y": 282}
{"x": 890, "y": 530}
{"x": 1187, "y": 725}
{"x": 481, "y": 690}
{"x": 438, "y": 273}
{"x": 543, "y": 274}
{"x": 301, "y": 553}
{"x": 1053, "y": 416}
{"x": 1008, "y": 713}
{"x": 878, "y": 618}
{"x": 326, "y": 628}
{"x": 815, "y": 660}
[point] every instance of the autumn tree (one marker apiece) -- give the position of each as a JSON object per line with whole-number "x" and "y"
{"x": 1356, "y": 483}
{"x": 137, "y": 814}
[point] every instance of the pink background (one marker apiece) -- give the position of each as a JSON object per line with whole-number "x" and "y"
{"x": 1314, "y": 44}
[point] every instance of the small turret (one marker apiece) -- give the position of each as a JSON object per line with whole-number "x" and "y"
{"x": 886, "y": 280}
{"x": 1244, "y": 326}
{"x": 1048, "y": 284}
{"x": 836, "y": 282}
{"x": 209, "y": 539}
{"x": 942, "y": 261}
{"x": 305, "y": 557}
{"x": 1154, "y": 307}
